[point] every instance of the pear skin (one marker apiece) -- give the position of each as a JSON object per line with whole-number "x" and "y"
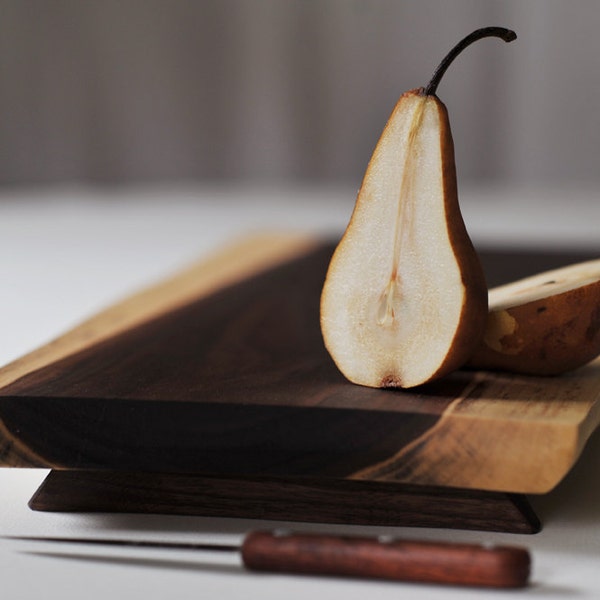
{"x": 405, "y": 298}
{"x": 543, "y": 325}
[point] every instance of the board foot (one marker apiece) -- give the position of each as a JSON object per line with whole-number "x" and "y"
{"x": 308, "y": 500}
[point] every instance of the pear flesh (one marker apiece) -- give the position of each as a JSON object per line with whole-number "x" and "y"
{"x": 545, "y": 324}
{"x": 405, "y": 299}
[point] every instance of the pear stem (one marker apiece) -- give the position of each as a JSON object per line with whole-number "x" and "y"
{"x": 505, "y": 34}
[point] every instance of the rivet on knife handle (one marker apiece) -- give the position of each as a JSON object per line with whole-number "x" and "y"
{"x": 431, "y": 562}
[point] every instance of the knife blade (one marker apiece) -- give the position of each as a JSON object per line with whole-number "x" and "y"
{"x": 376, "y": 558}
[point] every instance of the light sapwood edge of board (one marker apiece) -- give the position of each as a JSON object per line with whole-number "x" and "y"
{"x": 503, "y": 444}
{"x": 238, "y": 260}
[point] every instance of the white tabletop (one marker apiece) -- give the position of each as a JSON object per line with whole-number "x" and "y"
{"x": 66, "y": 253}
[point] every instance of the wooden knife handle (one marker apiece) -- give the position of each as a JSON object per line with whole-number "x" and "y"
{"x": 432, "y": 562}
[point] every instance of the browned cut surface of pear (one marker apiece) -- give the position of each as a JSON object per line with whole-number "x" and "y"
{"x": 545, "y": 324}
{"x": 405, "y": 299}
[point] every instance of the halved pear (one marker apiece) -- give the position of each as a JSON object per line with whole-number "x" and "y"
{"x": 405, "y": 299}
{"x": 543, "y": 325}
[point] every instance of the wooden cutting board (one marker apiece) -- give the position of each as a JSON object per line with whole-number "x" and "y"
{"x": 221, "y": 371}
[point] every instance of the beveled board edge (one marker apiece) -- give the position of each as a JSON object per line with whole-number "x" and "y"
{"x": 288, "y": 499}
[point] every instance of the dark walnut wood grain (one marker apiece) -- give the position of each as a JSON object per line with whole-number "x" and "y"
{"x": 322, "y": 500}
{"x": 237, "y": 382}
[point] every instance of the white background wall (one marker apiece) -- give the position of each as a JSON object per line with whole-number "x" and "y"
{"x": 121, "y": 90}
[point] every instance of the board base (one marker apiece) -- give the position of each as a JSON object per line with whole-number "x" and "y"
{"x": 309, "y": 500}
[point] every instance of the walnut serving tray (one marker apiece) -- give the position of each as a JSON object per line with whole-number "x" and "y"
{"x": 215, "y": 386}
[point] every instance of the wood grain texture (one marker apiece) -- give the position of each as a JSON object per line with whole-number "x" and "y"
{"x": 538, "y": 425}
{"x": 222, "y": 372}
{"x": 247, "y": 256}
{"x": 322, "y": 500}
{"x": 240, "y": 260}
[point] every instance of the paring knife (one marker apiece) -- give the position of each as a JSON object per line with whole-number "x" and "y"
{"x": 378, "y": 558}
